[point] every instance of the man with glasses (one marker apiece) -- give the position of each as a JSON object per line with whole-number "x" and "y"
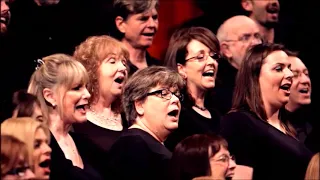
{"x": 236, "y": 35}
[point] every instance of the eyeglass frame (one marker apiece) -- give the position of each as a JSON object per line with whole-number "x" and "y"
{"x": 242, "y": 38}
{"x": 215, "y": 56}
{"x": 226, "y": 158}
{"x": 163, "y": 95}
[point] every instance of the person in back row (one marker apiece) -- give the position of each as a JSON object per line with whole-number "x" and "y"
{"x": 136, "y": 25}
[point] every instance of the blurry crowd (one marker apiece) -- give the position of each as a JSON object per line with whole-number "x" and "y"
{"x": 87, "y": 102}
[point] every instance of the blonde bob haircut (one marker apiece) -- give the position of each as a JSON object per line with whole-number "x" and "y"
{"x": 58, "y": 72}
{"x": 24, "y": 129}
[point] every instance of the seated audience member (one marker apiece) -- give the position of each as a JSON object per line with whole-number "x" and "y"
{"x": 313, "y": 168}
{"x": 60, "y": 86}
{"x": 136, "y": 25}
{"x": 14, "y": 159}
{"x": 105, "y": 59}
{"x": 152, "y": 103}
{"x": 254, "y": 129}
{"x": 26, "y": 105}
{"x": 236, "y": 35}
{"x": 36, "y": 137}
{"x": 194, "y": 52}
{"x": 202, "y": 155}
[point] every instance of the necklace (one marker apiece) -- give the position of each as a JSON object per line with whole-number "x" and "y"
{"x": 106, "y": 122}
{"x": 199, "y": 107}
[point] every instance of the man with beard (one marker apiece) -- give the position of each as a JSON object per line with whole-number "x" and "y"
{"x": 265, "y": 13}
{"x": 5, "y": 16}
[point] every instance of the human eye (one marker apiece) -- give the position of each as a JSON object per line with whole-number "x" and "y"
{"x": 37, "y": 144}
{"x": 278, "y": 68}
{"x": 77, "y": 87}
{"x": 200, "y": 57}
{"x": 144, "y": 18}
{"x": 112, "y": 61}
{"x": 295, "y": 74}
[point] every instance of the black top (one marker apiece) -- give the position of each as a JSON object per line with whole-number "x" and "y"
{"x": 96, "y": 142}
{"x": 150, "y": 61}
{"x": 271, "y": 153}
{"x": 223, "y": 90}
{"x": 300, "y": 121}
{"x": 63, "y": 169}
{"x": 137, "y": 155}
{"x": 191, "y": 122}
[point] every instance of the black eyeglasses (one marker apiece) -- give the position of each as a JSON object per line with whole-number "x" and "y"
{"x": 19, "y": 171}
{"x": 224, "y": 158}
{"x": 203, "y": 56}
{"x": 166, "y": 94}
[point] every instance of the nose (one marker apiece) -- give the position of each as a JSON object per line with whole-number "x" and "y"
{"x": 305, "y": 79}
{"x": 232, "y": 164}
{"x": 288, "y": 73}
{"x": 152, "y": 23}
{"x": 46, "y": 149}
{"x": 122, "y": 66}
{"x": 86, "y": 94}
{"x": 4, "y": 6}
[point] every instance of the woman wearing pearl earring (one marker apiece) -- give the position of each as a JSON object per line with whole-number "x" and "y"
{"x": 60, "y": 86}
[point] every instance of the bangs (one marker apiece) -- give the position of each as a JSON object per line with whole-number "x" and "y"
{"x": 112, "y": 46}
{"x": 169, "y": 80}
{"x": 71, "y": 73}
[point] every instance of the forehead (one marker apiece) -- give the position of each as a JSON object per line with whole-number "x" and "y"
{"x": 277, "y": 57}
{"x": 40, "y": 134}
{"x": 244, "y": 27}
{"x": 296, "y": 64}
{"x": 195, "y": 46}
{"x": 149, "y": 12}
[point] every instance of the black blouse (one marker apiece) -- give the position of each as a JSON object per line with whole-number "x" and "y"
{"x": 271, "y": 153}
{"x": 190, "y": 123}
{"x": 63, "y": 169}
{"x": 137, "y": 155}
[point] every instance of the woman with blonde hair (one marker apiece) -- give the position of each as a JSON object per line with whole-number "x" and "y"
{"x": 105, "y": 59}
{"x": 313, "y": 168}
{"x": 60, "y": 86}
{"x": 14, "y": 159}
{"x": 36, "y": 137}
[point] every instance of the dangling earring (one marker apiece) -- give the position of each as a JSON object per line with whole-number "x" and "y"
{"x": 54, "y": 106}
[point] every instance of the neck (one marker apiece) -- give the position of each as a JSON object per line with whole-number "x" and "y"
{"x": 57, "y": 126}
{"x": 234, "y": 64}
{"x": 141, "y": 124}
{"x": 197, "y": 95}
{"x": 273, "y": 117}
{"x": 267, "y": 33}
{"x": 292, "y": 106}
{"x": 137, "y": 56}
{"x": 103, "y": 103}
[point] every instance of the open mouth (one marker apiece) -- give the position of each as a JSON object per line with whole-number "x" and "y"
{"x": 45, "y": 164}
{"x": 148, "y": 34}
{"x": 208, "y": 73}
{"x": 119, "y": 80}
{"x": 285, "y": 87}
{"x": 82, "y": 106}
{"x": 304, "y": 90}
{"x": 174, "y": 113}
{"x": 273, "y": 8}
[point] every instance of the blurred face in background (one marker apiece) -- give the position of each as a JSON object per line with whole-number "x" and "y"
{"x": 5, "y": 16}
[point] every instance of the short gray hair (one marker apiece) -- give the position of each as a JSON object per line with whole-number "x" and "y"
{"x": 140, "y": 83}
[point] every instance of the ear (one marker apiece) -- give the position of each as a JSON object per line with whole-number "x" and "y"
{"x": 49, "y": 96}
{"x": 247, "y": 5}
{"x": 121, "y": 24}
{"x": 139, "y": 107}
{"x": 182, "y": 71}
{"x": 224, "y": 48}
